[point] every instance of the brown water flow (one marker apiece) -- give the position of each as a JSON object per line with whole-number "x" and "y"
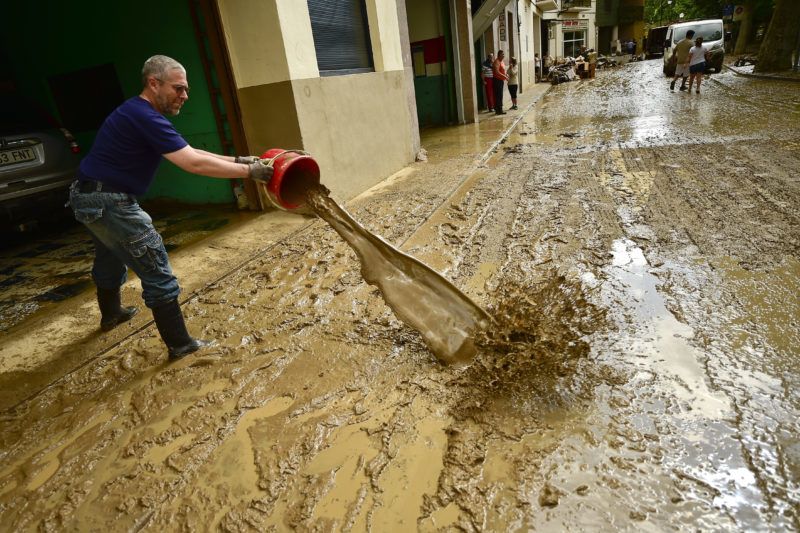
{"x": 418, "y": 295}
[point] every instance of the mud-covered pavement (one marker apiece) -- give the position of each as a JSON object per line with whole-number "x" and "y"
{"x": 639, "y": 251}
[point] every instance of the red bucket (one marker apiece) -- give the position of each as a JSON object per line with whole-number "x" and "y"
{"x": 295, "y": 172}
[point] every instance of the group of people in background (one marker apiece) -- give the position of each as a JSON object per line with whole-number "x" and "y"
{"x": 495, "y": 74}
{"x": 690, "y": 62}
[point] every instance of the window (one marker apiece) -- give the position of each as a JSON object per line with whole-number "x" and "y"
{"x": 709, "y": 32}
{"x": 573, "y": 40}
{"x": 341, "y": 36}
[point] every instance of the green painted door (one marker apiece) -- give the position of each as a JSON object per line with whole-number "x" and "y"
{"x": 44, "y": 42}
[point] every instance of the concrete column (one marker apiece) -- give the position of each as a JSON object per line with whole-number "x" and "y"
{"x": 464, "y": 59}
{"x": 408, "y": 67}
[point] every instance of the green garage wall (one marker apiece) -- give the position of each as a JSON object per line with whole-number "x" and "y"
{"x": 432, "y": 94}
{"x": 44, "y": 38}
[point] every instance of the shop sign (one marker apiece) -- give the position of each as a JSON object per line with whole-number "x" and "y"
{"x": 574, "y": 24}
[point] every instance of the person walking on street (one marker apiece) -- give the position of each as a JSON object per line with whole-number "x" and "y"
{"x": 697, "y": 63}
{"x": 681, "y": 57}
{"x": 498, "y": 79}
{"x": 513, "y": 81}
{"x": 120, "y": 167}
{"x": 487, "y": 77}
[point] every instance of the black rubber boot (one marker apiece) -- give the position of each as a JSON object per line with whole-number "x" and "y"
{"x": 111, "y": 310}
{"x": 672, "y": 86}
{"x": 683, "y": 84}
{"x": 171, "y": 326}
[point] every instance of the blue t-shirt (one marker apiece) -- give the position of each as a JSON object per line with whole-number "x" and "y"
{"x": 128, "y": 148}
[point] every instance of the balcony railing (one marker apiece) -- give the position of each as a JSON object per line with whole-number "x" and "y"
{"x": 572, "y": 5}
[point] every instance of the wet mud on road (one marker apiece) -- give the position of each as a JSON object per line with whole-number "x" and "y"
{"x": 639, "y": 253}
{"x": 54, "y": 264}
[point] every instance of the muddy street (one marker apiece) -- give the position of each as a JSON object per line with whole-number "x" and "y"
{"x": 638, "y": 251}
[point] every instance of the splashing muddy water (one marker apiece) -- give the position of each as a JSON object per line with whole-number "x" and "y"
{"x": 419, "y": 296}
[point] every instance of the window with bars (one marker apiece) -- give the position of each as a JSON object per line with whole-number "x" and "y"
{"x": 341, "y": 36}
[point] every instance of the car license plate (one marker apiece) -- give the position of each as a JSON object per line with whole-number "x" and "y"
{"x": 17, "y": 155}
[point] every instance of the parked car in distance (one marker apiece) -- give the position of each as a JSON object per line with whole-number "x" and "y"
{"x": 38, "y": 161}
{"x": 713, "y": 35}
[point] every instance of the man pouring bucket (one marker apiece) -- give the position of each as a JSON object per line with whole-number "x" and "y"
{"x": 120, "y": 167}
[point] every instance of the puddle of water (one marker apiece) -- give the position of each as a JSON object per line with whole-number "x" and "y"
{"x": 413, "y": 473}
{"x": 47, "y": 465}
{"x": 159, "y": 454}
{"x": 237, "y": 455}
{"x": 668, "y": 350}
{"x": 419, "y": 296}
{"x": 346, "y": 457}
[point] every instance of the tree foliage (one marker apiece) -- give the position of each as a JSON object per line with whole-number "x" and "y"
{"x": 660, "y": 12}
{"x": 781, "y": 39}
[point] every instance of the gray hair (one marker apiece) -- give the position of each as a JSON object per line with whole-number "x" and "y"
{"x": 158, "y": 67}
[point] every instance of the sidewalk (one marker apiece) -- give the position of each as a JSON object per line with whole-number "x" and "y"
{"x": 747, "y": 71}
{"x": 49, "y": 346}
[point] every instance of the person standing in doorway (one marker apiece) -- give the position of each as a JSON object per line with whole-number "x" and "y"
{"x": 680, "y": 54}
{"x": 513, "y": 81}
{"x": 697, "y": 63}
{"x": 120, "y": 167}
{"x": 499, "y": 78}
{"x": 487, "y": 77}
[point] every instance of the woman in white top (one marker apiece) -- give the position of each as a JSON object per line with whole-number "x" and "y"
{"x": 697, "y": 63}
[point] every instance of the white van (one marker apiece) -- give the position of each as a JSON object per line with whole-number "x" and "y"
{"x": 713, "y": 35}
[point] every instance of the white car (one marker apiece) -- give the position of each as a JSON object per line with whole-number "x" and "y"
{"x": 713, "y": 35}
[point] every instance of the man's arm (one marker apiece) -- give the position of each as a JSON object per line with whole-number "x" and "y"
{"x": 218, "y": 156}
{"x": 207, "y": 164}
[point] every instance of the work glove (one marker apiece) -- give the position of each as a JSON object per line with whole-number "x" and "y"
{"x": 259, "y": 171}
{"x": 246, "y": 159}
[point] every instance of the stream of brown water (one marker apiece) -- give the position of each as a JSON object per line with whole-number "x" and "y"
{"x": 418, "y": 295}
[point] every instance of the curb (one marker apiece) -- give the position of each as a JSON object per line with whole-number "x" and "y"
{"x": 508, "y": 130}
{"x": 471, "y": 170}
{"x": 773, "y": 77}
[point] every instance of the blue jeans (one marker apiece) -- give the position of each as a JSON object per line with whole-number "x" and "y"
{"x": 124, "y": 237}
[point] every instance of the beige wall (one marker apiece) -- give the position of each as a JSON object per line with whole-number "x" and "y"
{"x": 385, "y": 35}
{"x": 260, "y": 51}
{"x": 357, "y": 126}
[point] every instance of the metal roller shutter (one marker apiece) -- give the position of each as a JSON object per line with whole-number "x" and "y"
{"x": 341, "y": 36}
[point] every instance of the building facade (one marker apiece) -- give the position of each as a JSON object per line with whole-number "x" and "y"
{"x": 264, "y": 74}
{"x": 569, "y": 27}
{"x": 350, "y": 81}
